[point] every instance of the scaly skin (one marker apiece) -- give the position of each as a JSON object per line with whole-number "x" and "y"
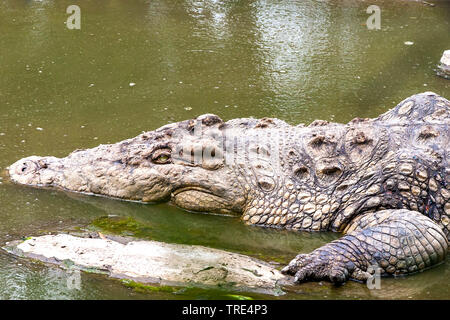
{"x": 383, "y": 182}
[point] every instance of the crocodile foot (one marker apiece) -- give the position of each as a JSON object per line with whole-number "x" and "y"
{"x": 322, "y": 264}
{"x": 393, "y": 242}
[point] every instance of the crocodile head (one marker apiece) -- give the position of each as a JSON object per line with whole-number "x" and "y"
{"x": 181, "y": 162}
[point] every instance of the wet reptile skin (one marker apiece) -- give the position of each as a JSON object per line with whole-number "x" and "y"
{"x": 383, "y": 182}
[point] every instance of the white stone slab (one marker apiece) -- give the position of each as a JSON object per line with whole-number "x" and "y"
{"x": 157, "y": 262}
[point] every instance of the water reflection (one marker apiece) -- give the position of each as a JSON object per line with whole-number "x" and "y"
{"x": 286, "y": 32}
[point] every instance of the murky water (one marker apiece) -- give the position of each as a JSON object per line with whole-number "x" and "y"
{"x": 294, "y": 60}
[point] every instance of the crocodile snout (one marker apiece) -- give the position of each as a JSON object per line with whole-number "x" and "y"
{"x": 27, "y": 170}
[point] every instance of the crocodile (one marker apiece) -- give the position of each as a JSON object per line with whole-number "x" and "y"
{"x": 382, "y": 182}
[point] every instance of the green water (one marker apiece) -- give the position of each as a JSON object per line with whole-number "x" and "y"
{"x": 294, "y": 60}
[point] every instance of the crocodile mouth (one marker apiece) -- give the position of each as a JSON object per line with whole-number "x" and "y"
{"x": 201, "y": 200}
{"x": 191, "y": 188}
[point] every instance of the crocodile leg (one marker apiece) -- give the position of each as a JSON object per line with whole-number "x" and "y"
{"x": 399, "y": 242}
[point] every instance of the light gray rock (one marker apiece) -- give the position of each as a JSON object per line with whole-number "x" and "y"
{"x": 444, "y": 67}
{"x": 155, "y": 262}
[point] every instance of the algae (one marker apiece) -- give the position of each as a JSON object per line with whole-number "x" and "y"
{"x": 239, "y": 297}
{"x": 190, "y": 291}
{"x": 125, "y": 226}
{"x": 145, "y": 288}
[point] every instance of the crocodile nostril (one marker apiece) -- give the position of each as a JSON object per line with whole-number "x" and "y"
{"x": 27, "y": 166}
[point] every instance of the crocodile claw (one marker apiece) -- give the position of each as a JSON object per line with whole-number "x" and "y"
{"x": 316, "y": 267}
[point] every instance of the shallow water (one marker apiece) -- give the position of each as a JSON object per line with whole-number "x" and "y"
{"x": 294, "y": 60}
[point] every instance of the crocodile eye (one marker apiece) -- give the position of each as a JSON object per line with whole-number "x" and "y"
{"x": 161, "y": 156}
{"x": 162, "y": 159}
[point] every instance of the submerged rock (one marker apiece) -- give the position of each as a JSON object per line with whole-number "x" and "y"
{"x": 444, "y": 66}
{"x": 154, "y": 262}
